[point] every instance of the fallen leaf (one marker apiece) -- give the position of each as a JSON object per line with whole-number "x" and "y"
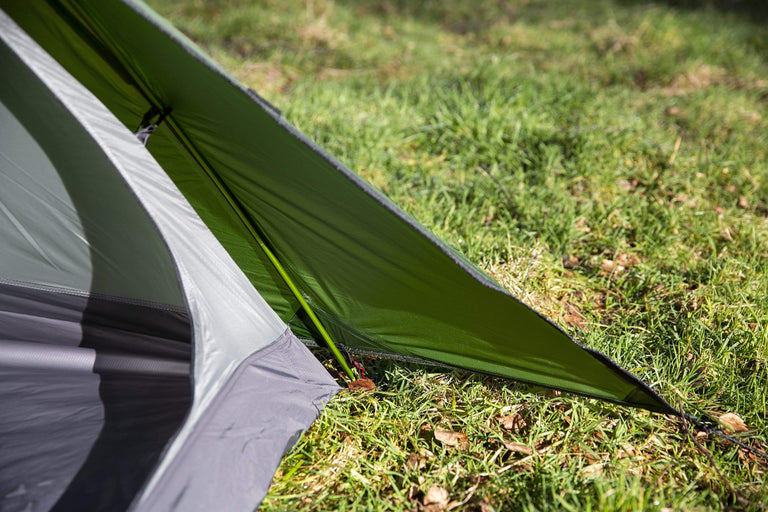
{"x": 518, "y": 448}
{"x": 573, "y": 318}
{"x": 626, "y": 260}
{"x": 415, "y": 462}
{"x": 436, "y": 499}
{"x": 733, "y": 422}
{"x": 608, "y": 266}
{"x": 362, "y": 385}
{"x": 452, "y": 439}
{"x": 513, "y": 422}
{"x": 592, "y": 470}
{"x": 426, "y": 454}
{"x": 571, "y": 262}
{"x": 743, "y": 203}
{"x": 626, "y": 450}
{"x": 591, "y": 458}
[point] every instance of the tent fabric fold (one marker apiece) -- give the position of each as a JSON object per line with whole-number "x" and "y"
{"x": 259, "y": 415}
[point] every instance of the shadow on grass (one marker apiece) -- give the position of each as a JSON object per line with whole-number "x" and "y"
{"x": 464, "y": 17}
{"x": 754, "y": 11}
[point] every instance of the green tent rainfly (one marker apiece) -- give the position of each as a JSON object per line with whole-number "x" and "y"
{"x": 151, "y": 286}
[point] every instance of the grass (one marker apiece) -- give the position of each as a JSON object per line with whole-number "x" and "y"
{"x": 607, "y": 162}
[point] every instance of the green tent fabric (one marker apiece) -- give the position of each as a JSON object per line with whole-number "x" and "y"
{"x": 379, "y": 281}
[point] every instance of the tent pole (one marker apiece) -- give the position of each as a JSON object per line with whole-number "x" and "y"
{"x": 234, "y": 204}
{"x": 176, "y": 129}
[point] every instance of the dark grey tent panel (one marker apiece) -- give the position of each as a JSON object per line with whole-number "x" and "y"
{"x": 87, "y": 388}
{"x": 131, "y": 345}
{"x": 240, "y": 442}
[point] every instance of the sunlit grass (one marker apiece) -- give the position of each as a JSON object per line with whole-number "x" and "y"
{"x": 605, "y": 161}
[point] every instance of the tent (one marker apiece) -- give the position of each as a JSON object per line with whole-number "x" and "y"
{"x": 168, "y": 239}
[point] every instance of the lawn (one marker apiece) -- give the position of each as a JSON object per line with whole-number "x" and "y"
{"x": 604, "y": 160}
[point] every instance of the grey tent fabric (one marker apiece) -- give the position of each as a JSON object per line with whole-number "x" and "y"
{"x": 56, "y": 227}
{"x": 110, "y": 286}
{"x": 245, "y": 431}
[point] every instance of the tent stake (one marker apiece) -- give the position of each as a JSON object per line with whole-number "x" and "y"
{"x": 267, "y": 251}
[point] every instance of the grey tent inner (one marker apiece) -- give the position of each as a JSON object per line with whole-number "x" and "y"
{"x": 94, "y": 369}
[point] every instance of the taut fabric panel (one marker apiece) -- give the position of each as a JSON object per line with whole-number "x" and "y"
{"x": 66, "y": 218}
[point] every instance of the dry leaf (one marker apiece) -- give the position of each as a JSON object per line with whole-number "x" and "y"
{"x": 362, "y": 385}
{"x": 513, "y": 422}
{"x": 626, "y": 260}
{"x": 452, "y": 439}
{"x": 592, "y": 470}
{"x": 571, "y": 262}
{"x": 733, "y": 422}
{"x": 607, "y": 266}
{"x": 436, "y": 499}
{"x": 573, "y": 317}
{"x": 591, "y": 458}
{"x": 415, "y": 462}
{"x": 743, "y": 203}
{"x": 518, "y": 448}
{"x": 426, "y": 454}
{"x": 626, "y": 450}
